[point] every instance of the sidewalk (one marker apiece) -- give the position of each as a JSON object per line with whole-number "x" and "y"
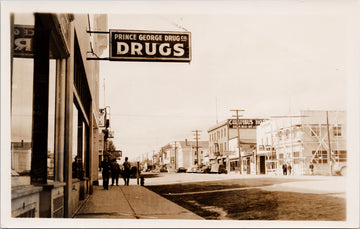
{"x": 131, "y": 202}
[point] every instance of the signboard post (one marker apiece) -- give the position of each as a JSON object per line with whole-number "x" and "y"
{"x": 138, "y": 45}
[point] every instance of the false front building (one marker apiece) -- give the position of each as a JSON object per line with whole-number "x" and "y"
{"x": 224, "y": 144}
{"x": 184, "y": 154}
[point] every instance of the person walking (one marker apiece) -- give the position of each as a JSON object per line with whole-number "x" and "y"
{"x": 311, "y": 167}
{"x": 127, "y": 168}
{"x": 106, "y": 166}
{"x": 115, "y": 171}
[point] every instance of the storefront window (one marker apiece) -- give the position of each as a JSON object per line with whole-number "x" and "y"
{"x": 76, "y": 160}
{"x": 51, "y": 121}
{"x": 21, "y": 108}
{"x": 21, "y": 115}
{"x": 80, "y": 156}
{"x": 337, "y": 131}
{"x": 314, "y": 130}
{"x": 320, "y": 157}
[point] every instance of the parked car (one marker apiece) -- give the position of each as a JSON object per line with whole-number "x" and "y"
{"x": 193, "y": 170}
{"x": 206, "y": 169}
{"x": 181, "y": 170}
{"x": 164, "y": 169}
{"x": 222, "y": 169}
{"x": 339, "y": 168}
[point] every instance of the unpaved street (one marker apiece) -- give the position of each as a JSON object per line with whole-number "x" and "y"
{"x": 236, "y": 197}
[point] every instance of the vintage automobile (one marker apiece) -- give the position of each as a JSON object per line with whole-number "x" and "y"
{"x": 181, "y": 170}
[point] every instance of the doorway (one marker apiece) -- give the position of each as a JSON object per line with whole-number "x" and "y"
{"x": 262, "y": 164}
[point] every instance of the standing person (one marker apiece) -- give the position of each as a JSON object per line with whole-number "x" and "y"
{"x": 284, "y": 167}
{"x": 106, "y": 166}
{"x": 289, "y": 169}
{"x": 122, "y": 173}
{"x": 127, "y": 167}
{"x": 115, "y": 171}
{"x": 311, "y": 167}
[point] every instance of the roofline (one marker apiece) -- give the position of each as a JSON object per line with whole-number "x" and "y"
{"x": 223, "y": 123}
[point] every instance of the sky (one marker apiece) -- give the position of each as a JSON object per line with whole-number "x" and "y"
{"x": 267, "y": 62}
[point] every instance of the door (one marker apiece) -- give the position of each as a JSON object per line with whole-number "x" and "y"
{"x": 262, "y": 164}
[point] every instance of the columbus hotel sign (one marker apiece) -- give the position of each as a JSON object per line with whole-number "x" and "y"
{"x": 137, "y": 45}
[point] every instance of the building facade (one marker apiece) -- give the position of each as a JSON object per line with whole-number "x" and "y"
{"x": 224, "y": 144}
{"x": 54, "y": 112}
{"x": 184, "y": 154}
{"x": 298, "y": 141}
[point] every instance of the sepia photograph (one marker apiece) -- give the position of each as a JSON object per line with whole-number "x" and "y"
{"x": 182, "y": 114}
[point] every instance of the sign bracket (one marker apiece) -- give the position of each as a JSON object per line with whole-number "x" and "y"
{"x": 103, "y": 32}
{"x": 97, "y": 58}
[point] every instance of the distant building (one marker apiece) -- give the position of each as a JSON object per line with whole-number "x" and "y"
{"x": 183, "y": 154}
{"x": 300, "y": 140}
{"x": 223, "y": 144}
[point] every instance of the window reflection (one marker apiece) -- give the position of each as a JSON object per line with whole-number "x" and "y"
{"x": 76, "y": 160}
{"x": 51, "y": 121}
{"x": 21, "y": 115}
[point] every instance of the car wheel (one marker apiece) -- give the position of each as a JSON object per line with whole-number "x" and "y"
{"x": 343, "y": 171}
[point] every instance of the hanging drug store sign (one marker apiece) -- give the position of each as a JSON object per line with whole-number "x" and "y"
{"x": 245, "y": 123}
{"x": 133, "y": 45}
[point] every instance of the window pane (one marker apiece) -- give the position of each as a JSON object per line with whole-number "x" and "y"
{"x": 21, "y": 116}
{"x": 51, "y": 120}
{"x": 75, "y": 159}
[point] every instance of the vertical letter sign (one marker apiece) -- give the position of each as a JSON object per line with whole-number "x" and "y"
{"x": 23, "y": 43}
{"x": 137, "y": 45}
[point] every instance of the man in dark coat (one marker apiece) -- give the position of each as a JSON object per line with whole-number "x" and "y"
{"x": 127, "y": 168}
{"x": 115, "y": 171}
{"x": 284, "y": 167}
{"x": 106, "y": 166}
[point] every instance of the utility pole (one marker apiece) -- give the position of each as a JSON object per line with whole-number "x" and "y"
{"x": 175, "y": 155}
{"x": 152, "y": 164}
{"x": 197, "y": 145}
{"x": 238, "y": 136}
{"x": 329, "y": 152}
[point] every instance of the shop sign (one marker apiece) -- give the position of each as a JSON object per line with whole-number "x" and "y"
{"x": 245, "y": 123}
{"x": 102, "y": 117}
{"x": 23, "y": 45}
{"x": 137, "y": 45}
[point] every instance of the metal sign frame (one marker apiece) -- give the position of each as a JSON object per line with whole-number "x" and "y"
{"x": 185, "y": 38}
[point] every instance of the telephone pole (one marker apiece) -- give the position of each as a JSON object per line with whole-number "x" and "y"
{"x": 175, "y": 155}
{"x": 197, "y": 145}
{"x": 238, "y": 135}
{"x": 329, "y": 152}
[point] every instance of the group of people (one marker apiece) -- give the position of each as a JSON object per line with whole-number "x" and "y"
{"x": 113, "y": 168}
{"x": 286, "y": 169}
